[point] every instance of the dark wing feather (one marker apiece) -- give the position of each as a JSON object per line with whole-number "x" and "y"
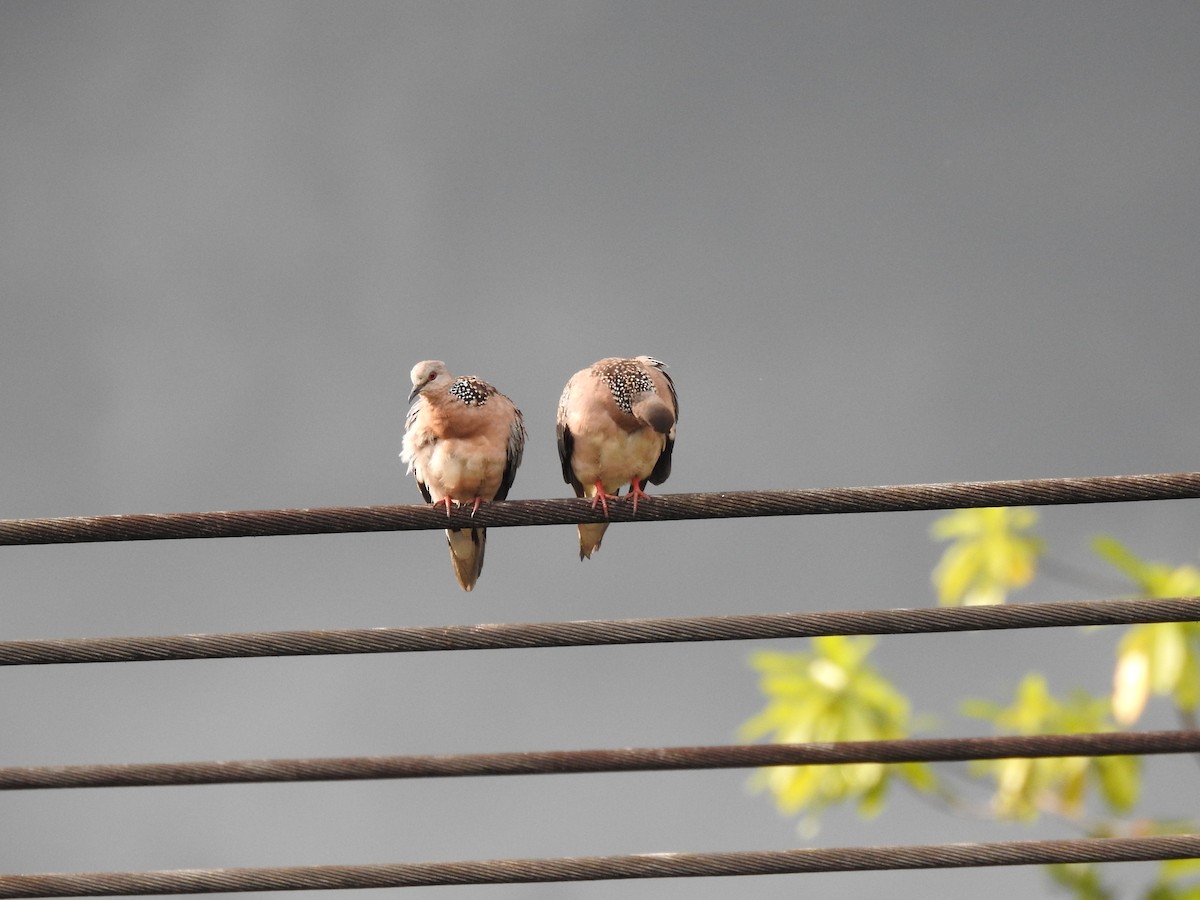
{"x": 566, "y": 444}
{"x": 566, "y": 447}
{"x": 512, "y": 459}
{"x": 425, "y": 492}
{"x": 671, "y": 387}
{"x": 662, "y": 468}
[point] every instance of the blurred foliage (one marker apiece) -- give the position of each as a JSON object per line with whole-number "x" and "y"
{"x": 1178, "y": 879}
{"x": 830, "y": 693}
{"x": 1027, "y": 787}
{"x": 1081, "y": 879}
{"x": 991, "y": 554}
{"x": 1162, "y": 658}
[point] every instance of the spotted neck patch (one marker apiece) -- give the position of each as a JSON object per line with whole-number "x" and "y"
{"x": 626, "y": 379}
{"x": 471, "y": 391}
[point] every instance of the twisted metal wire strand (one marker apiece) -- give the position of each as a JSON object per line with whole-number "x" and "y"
{"x": 598, "y": 868}
{"x": 667, "y": 507}
{"x": 560, "y": 762}
{"x": 596, "y": 632}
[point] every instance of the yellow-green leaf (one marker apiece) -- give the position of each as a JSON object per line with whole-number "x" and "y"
{"x": 830, "y": 693}
{"x": 991, "y": 554}
{"x": 1025, "y": 788}
{"x": 1160, "y": 658}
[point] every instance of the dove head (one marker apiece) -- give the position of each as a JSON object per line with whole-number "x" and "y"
{"x": 429, "y": 373}
{"x": 654, "y": 411}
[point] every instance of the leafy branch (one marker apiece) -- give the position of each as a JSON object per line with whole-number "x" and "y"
{"x": 833, "y": 692}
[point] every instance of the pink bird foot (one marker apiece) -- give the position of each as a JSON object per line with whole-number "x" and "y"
{"x": 602, "y": 497}
{"x": 635, "y": 491}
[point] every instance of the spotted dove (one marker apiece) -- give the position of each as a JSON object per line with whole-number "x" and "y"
{"x": 616, "y": 426}
{"x": 463, "y": 441}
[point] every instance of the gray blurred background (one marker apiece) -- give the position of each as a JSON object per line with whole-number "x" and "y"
{"x": 877, "y": 243}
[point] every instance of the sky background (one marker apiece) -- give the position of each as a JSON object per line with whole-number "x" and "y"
{"x": 877, "y": 243}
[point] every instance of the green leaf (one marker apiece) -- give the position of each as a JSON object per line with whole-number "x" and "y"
{"x": 1081, "y": 878}
{"x": 1120, "y": 780}
{"x": 1180, "y": 868}
{"x": 830, "y": 693}
{"x": 1172, "y": 882}
{"x": 991, "y": 554}
{"x": 1025, "y": 788}
{"x": 1162, "y": 658}
{"x": 1151, "y": 579}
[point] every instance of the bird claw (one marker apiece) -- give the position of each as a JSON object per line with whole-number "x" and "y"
{"x": 602, "y": 497}
{"x": 635, "y": 491}
{"x": 449, "y": 503}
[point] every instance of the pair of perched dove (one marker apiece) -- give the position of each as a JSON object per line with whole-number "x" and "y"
{"x": 463, "y": 441}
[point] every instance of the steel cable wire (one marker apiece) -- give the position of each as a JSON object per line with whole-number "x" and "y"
{"x": 924, "y": 620}
{"x": 658, "y": 508}
{"x": 548, "y": 512}
{"x": 562, "y": 762}
{"x": 595, "y": 868}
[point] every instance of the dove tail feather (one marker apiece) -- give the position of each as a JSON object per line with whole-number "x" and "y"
{"x": 590, "y": 536}
{"x": 466, "y": 553}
